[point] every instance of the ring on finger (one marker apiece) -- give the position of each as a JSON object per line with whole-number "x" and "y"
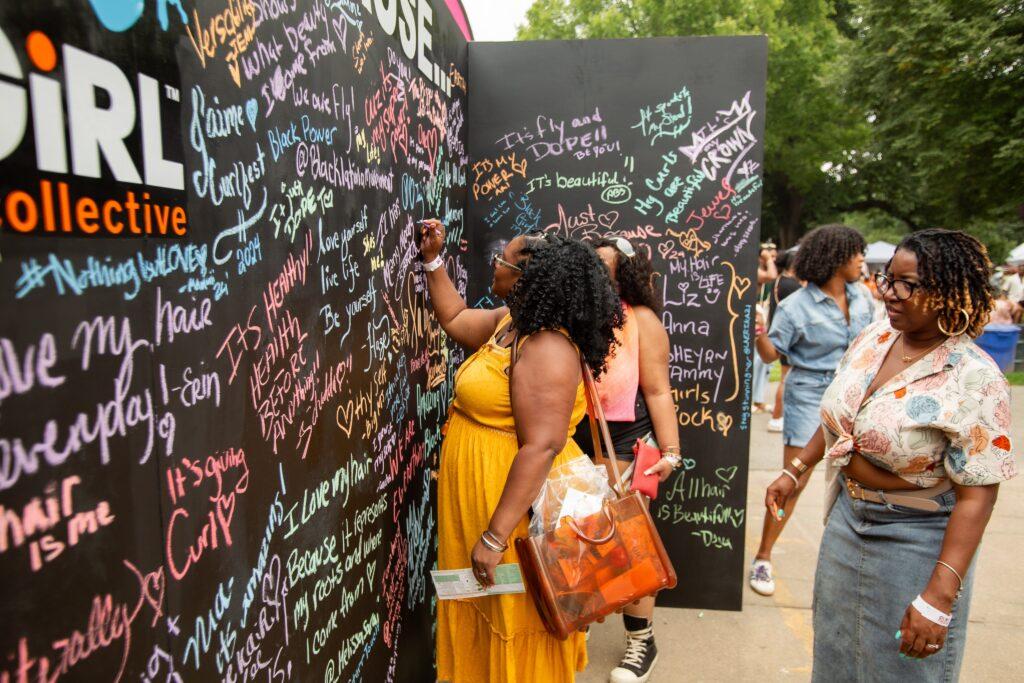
{"x": 933, "y": 646}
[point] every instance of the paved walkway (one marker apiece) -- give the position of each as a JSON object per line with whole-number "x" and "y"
{"x": 770, "y": 640}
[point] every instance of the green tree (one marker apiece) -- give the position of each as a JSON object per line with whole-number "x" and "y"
{"x": 892, "y": 116}
{"x": 942, "y": 83}
{"x": 808, "y": 122}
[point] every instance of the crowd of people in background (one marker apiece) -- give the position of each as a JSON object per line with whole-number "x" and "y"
{"x": 882, "y": 382}
{"x": 1009, "y": 290}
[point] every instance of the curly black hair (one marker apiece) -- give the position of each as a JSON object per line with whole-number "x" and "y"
{"x": 826, "y": 249}
{"x": 565, "y": 285}
{"x": 635, "y": 277}
{"x": 953, "y": 268}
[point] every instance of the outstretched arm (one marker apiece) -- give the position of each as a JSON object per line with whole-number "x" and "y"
{"x": 470, "y": 327}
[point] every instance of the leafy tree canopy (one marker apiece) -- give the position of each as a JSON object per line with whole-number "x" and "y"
{"x": 892, "y": 115}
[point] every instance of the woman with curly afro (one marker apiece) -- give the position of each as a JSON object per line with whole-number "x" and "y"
{"x": 813, "y": 328}
{"x": 915, "y": 434}
{"x": 506, "y": 430}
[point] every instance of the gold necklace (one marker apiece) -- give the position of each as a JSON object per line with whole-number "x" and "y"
{"x": 907, "y": 360}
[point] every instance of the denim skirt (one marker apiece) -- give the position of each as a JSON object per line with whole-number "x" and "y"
{"x": 801, "y": 405}
{"x": 874, "y": 560}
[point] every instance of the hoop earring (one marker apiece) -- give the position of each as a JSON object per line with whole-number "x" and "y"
{"x": 967, "y": 323}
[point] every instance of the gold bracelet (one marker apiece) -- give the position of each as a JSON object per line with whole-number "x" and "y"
{"x": 955, "y": 573}
{"x": 799, "y": 464}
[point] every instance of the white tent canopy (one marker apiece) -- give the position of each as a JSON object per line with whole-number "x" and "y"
{"x": 1017, "y": 255}
{"x": 879, "y": 253}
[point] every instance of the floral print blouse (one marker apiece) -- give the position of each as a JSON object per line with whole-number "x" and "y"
{"x": 945, "y": 416}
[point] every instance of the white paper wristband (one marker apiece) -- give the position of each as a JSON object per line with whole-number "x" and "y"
{"x": 431, "y": 266}
{"x": 930, "y": 613}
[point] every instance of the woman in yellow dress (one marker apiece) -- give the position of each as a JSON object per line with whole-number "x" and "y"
{"x": 504, "y": 435}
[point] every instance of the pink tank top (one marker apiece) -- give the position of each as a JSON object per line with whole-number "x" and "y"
{"x": 620, "y": 382}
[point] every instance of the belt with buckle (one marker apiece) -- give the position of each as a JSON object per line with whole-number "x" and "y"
{"x": 917, "y": 499}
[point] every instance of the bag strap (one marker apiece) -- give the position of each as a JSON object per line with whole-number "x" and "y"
{"x": 511, "y": 367}
{"x": 599, "y": 425}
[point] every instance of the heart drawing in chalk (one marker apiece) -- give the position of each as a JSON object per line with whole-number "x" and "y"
{"x": 689, "y": 464}
{"x": 726, "y": 473}
{"x": 724, "y": 423}
{"x": 741, "y": 284}
{"x": 343, "y": 416}
{"x": 251, "y": 108}
{"x": 608, "y": 219}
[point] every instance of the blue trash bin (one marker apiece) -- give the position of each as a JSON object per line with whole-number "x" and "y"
{"x": 999, "y": 340}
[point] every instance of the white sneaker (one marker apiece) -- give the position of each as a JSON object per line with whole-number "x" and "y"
{"x": 761, "y": 579}
{"x": 775, "y": 424}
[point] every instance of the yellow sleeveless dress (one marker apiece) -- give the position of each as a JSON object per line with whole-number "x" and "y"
{"x": 501, "y": 638}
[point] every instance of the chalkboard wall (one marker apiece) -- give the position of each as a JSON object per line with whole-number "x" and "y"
{"x": 659, "y": 141}
{"x": 220, "y": 387}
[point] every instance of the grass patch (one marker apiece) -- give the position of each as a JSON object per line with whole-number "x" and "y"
{"x": 1015, "y": 378}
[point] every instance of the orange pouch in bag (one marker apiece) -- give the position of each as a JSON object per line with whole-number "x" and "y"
{"x": 586, "y": 569}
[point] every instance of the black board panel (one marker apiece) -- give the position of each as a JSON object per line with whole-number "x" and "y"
{"x": 220, "y": 387}
{"x": 660, "y": 141}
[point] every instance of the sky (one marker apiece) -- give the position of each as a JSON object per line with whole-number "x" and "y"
{"x": 496, "y": 19}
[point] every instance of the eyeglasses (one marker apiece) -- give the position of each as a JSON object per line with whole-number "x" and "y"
{"x": 495, "y": 260}
{"x": 623, "y": 245}
{"x": 901, "y": 289}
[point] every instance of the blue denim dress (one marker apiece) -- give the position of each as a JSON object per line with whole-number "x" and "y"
{"x": 811, "y": 330}
{"x": 874, "y": 560}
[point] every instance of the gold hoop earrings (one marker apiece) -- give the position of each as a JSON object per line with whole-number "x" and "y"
{"x": 967, "y": 323}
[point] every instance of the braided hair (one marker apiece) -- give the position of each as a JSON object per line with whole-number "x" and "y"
{"x": 565, "y": 285}
{"x": 953, "y": 268}
{"x": 826, "y": 249}
{"x": 635, "y": 276}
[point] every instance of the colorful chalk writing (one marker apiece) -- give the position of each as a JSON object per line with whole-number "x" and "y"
{"x": 221, "y": 387}
{"x": 659, "y": 142}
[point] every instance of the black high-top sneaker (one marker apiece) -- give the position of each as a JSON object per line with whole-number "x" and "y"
{"x": 639, "y": 659}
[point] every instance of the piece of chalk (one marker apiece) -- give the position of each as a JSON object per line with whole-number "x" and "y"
{"x": 899, "y": 634}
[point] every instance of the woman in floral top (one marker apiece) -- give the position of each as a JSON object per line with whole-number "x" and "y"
{"x": 915, "y": 434}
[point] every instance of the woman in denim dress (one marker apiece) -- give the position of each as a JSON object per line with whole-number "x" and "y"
{"x": 813, "y": 328}
{"x": 915, "y": 434}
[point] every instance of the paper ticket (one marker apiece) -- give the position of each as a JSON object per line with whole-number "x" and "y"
{"x": 461, "y": 583}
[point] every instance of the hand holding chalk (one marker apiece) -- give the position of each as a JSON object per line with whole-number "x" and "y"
{"x": 430, "y": 235}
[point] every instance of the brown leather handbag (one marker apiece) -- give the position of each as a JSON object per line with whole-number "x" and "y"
{"x": 586, "y": 569}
